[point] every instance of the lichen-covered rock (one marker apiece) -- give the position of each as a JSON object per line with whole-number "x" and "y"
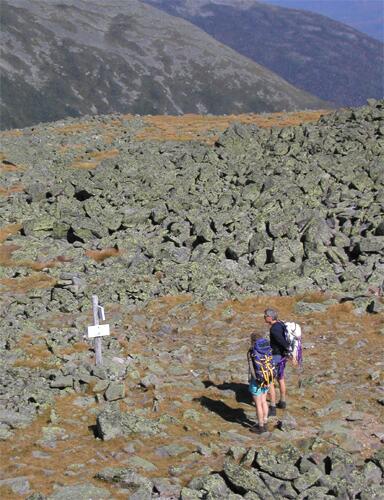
{"x": 114, "y": 391}
{"x": 15, "y": 420}
{"x": 112, "y": 423}
{"x": 138, "y": 487}
{"x": 243, "y": 480}
{"x": 308, "y": 479}
{"x": 208, "y": 222}
{"x": 79, "y": 491}
{"x": 266, "y": 461}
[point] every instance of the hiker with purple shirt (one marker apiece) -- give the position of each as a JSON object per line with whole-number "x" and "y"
{"x": 279, "y": 346}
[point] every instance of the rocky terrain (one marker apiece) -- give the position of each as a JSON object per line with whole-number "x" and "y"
{"x": 75, "y": 57}
{"x": 281, "y": 210}
{"x": 186, "y": 242}
{"x": 324, "y": 57}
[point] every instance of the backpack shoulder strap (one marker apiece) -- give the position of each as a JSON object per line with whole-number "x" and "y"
{"x": 251, "y": 368}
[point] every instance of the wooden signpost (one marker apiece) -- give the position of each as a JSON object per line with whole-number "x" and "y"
{"x": 97, "y": 331}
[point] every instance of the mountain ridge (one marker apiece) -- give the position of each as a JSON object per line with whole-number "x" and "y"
{"x": 73, "y": 58}
{"x": 322, "y": 56}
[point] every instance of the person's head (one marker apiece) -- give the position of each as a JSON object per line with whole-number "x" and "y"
{"x": 270, "y": 316}
{"x": 254, "y": 337}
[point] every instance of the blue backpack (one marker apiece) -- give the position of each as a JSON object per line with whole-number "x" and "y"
{"x": 261, "y": 355}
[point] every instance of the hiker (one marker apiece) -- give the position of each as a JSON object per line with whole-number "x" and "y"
{"x": 279, "y": 346}
{"x": 260, "y": 373}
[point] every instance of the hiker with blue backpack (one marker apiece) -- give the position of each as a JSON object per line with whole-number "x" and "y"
{"x": 285, "y": 340}
{"x": 261, "y": 373}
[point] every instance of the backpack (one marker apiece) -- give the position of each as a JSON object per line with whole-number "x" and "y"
{"x": 261, "y": 355}
{"x": 292, "y": 333}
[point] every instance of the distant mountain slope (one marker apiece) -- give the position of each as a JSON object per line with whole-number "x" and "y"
{"x": 314, "y": 53}
{"x": 70, "y": 58}
{"x": 364, "y": 15}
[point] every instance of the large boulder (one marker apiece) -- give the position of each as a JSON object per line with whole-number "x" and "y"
{"x": 112, "y": 423}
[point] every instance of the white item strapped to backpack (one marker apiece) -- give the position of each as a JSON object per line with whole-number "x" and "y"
{"x": 292, "y": 332}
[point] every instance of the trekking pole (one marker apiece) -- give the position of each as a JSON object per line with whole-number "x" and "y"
{"x": 300, "y": 372}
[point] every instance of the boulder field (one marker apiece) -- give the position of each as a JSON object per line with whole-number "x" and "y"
{"x": 185, "y": 244}
{"x": 266, "y": 211}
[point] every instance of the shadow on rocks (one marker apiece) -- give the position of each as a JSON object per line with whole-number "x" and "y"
{"x": 241, "y": 390}
{"x": 235, "y": 415}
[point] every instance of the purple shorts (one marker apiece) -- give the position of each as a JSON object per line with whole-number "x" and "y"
{"x": 279, "y": 362}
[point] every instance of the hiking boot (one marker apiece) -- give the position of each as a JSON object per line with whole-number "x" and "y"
{"x": 282, "y": 405}
{"x": 258, "y": 430}
{"x": 272, "y": 411}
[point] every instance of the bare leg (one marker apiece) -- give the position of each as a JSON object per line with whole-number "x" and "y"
{"x": 259, "y": 409}
{"x": 272, "y": 392}
{"x": 264, "y": 407}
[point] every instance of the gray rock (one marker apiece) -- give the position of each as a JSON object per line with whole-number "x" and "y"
{"x": 36, "y": 496}
{"x": 372, "y": 492}
{"x": 189, "y": 494}
{"x": 115, "y": 391}
{"x": 315, "y": 493}
{"x": 171, "y": 450}
{"x": 150, "y": 380}
{"x": 212, "y": 486}
{"x": 287, "y": 423}
{"x": 372, "y": 473}
{"x": 165, "y": 488}
{"x": 378, "y": 458}
{"x": 308, "y": 479}
{"x": 136, "y": 462}
{"x": 236, "y": 452}
{"x": 372, "y": 244}
{"x": 85, "y": 491}
{"x": 5, "y": 432}
{"x": 112, "y": 423}
{"x": 266, "y": 461}
{"x": 18, "y": 485}
{"x": 279, "y": 488}
{"x": 15, "y": 420}
{"x": 136, "y": 485}
{"x": 243, "y": 480}
{"x": 310, "y": 307}
{"x": 62, "y": 381}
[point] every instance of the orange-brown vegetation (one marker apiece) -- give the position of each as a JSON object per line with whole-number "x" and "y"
{"x": 6, "y": 260}
{"x": 75, "y": 128}
{"x": 92, "y": 160}
{"x": 207, "y": 128}
{"x": 35, "y": 355}
{"x": 6, "y": 252}
{"x": 70, "y": 147}
{"x": 9, "y": 230}
{"x": 7, "y": 166}
{"x": 100, "y": 255}
{"x": 15, "y": 188}
{"x": 24, "y": 284}
{"x": 11, "y": 133}
{"x": 40, "y": 355}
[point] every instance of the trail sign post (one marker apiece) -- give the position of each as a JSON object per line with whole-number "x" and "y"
{"x": 97, "y": 331}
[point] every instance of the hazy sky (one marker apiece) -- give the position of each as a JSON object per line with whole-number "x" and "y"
{"x": 365, "y": 15}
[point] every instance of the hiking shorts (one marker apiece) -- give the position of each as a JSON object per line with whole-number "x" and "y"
{"x": 279, "y": 363}
{"x": 255, "y": 389}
